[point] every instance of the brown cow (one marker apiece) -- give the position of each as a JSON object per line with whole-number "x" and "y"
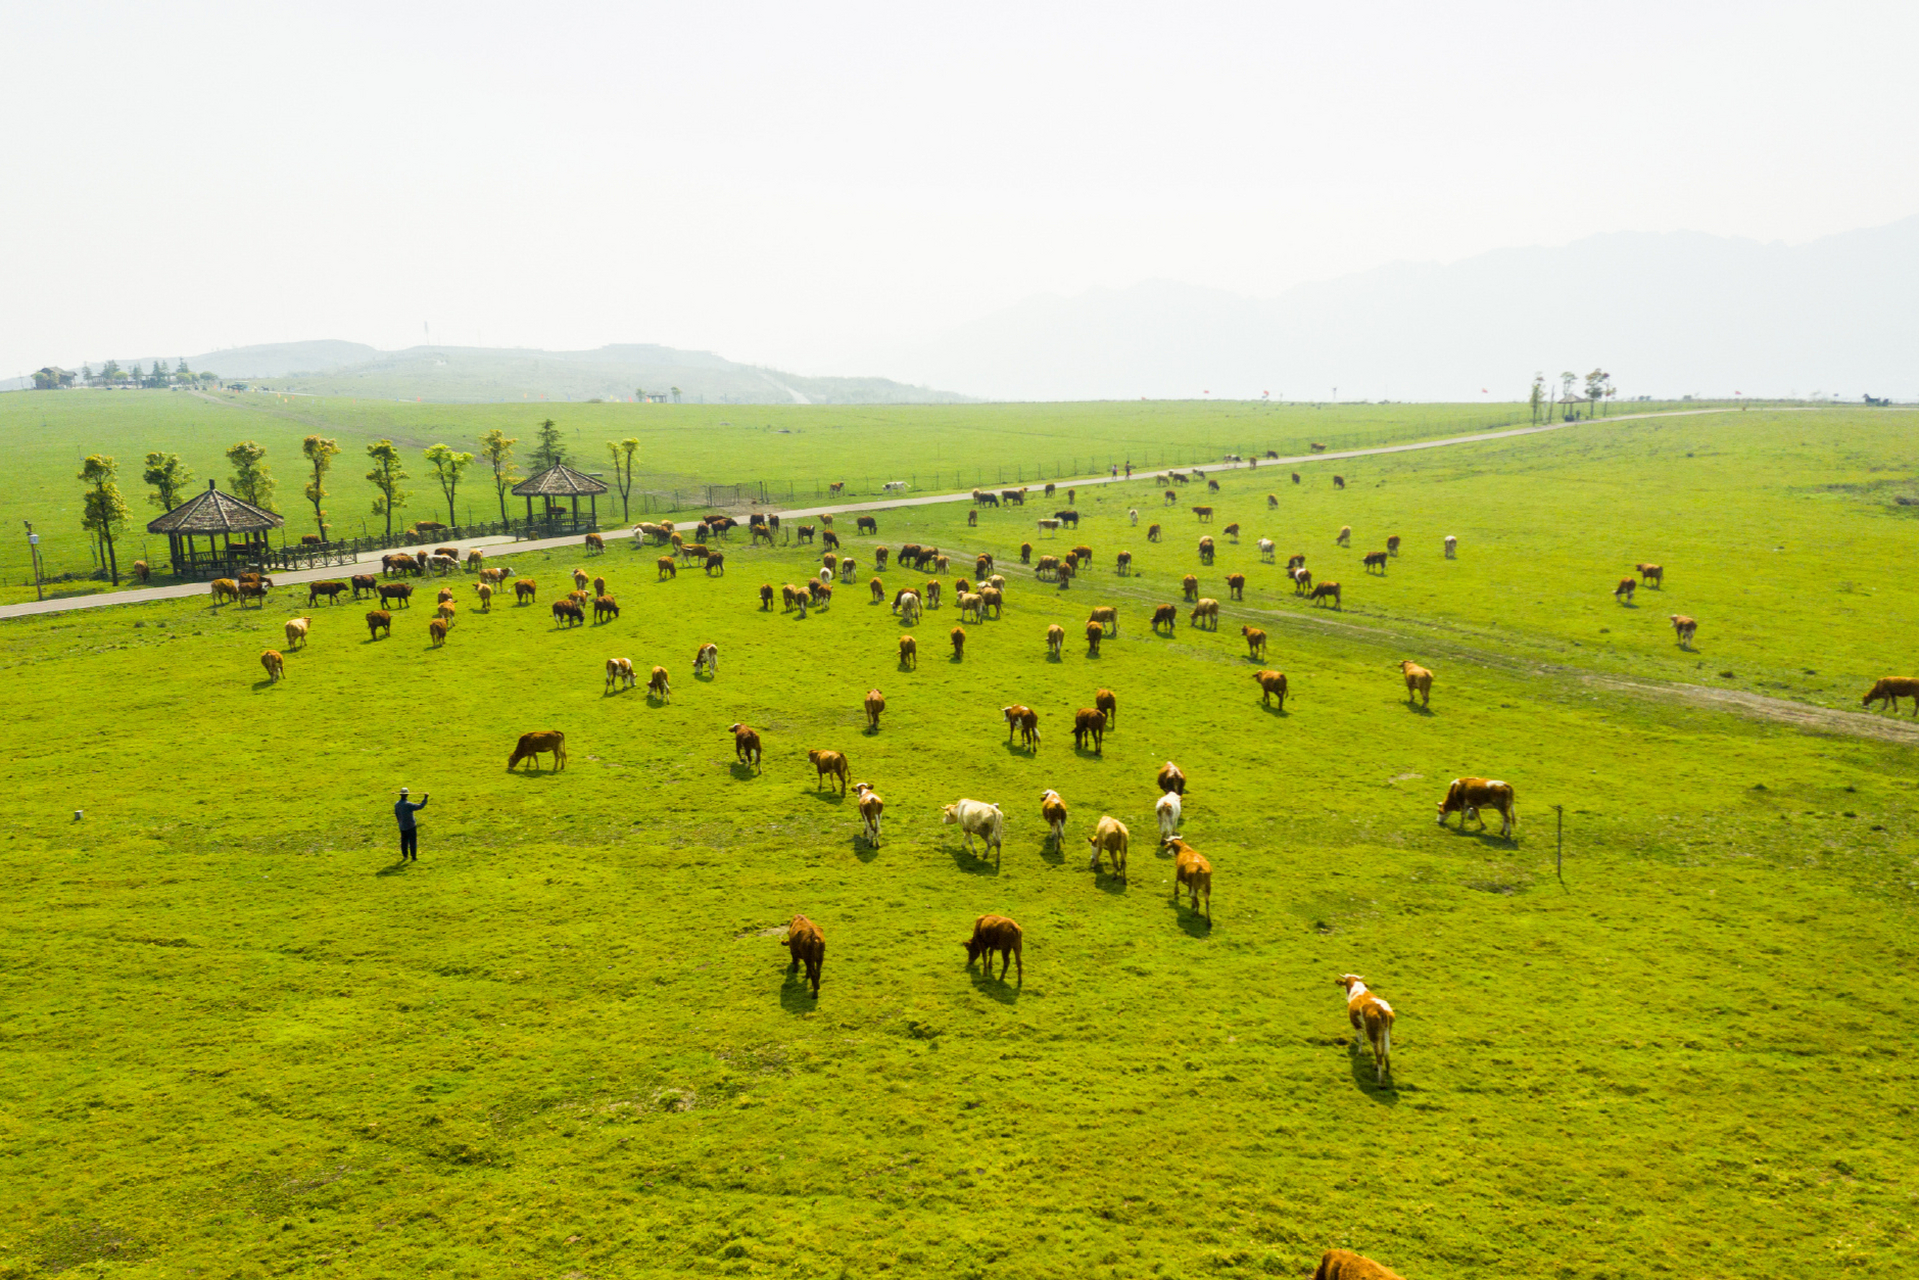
{"x": 1205, "y": 514}
{"x": 569, "y": 613}
{"x": 1105, "y": 615}
{"x": 932, "y": 594}
{"x": 485, "y": 591}
{"x": 531, "y": 745}
{"x": 1295, "y": 561}
{"x": 1392, "y": 544}
{"x": 1343, "y": 1264}
{"x": 871, "y": 807}
{"x": 525, "y": 591}
{"x": 1326, "y": 591}
{"x": 766, "y": 596}
{"x": 1339, "y": 482}
{"x": 1052, "y": 810}
{"x": 1683, "y": 627}
{"x": 866, "y": 524}
{"x": 376, "y": 620}
{"x": 445, "y": 594}
{"x": 401, "y": 591}
{"x": 668, "y": 568}
{"x": 1206, "y": 550}
{"x": 1094, "y": 632}
{"x": 1236, "y": 585}
{"x": 1152, "y": 533}
{"x": 828, "y": 764}
{"x": 140, "y": 571}
{"x": 1109, "y": 836}
{"x": 1368, "y": 1013}
{"x": 1207, "y": 608}
{"x": 1375, "y": 560}
{"x": 807, "y": 945}
{"x": 1105, "y": 702}
{"x": 1272, "y": 501}
{"x": 437, "y": 630}
{"x": 1089, "y": 723}
{"x": 1055, "y": 639}
{"x": 1272, "y": 684}
{"x": 1123, "y": 564}
{"x": 1302, "y": 579}
{"x": 580, "y": 579}
{"x": 746, "y": 744}
{"x": 996, "y": 933}
{"x": 1467, "y": 796}
{"x": 331, "y": 590}
{"x": 1026, "y": 720}
{"x": 875, "y": 703}
{"x": 1171, "y": 778}
{"x": 959, "y": 643}
{"x": 1624, "y": 589}
{"x": 1418, "y": 680}
{"x": 364, "y": 582}
{"x": 1652, "y": 575}
{"x": 1166, "y": 615}
{"x": 594, "y": 542}
{"x": 605, "y": 608}
{"x": 1345, "y": 538}
{"x": 619, "y": 671}
{"x": 1192, "y": 873}
{"x": 1887, "y": 691}
{"x": 1189, "y": 585}
{"x": 1026, "y": 553}
{"x": 275, "y": 665}
{"x": 1255, "y": 642}
{"x": 878, "y": 589}
{"x": 909, "y": 652}
{"x": 254, "y": 591}
{"x": 657, "y": 686}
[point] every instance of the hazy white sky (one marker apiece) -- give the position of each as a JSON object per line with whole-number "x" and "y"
{"x": 805, "y": 185}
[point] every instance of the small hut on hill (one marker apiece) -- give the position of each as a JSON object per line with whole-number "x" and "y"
{"x": 235, "y": 531}
{"x": 561, "y": 482}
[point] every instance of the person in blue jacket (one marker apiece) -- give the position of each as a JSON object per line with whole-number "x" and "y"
{"x": 404, "y": 809}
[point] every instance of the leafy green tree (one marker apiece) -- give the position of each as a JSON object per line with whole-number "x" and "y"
{"x": 1596, "y": 383}
{"x": 448, "y": 467}
{"x": 181, "y": 371}
{"x": 319, "y": 453}
{"x": 497, "y": 448}
{"x": 110, "y": 372}
{"x": 104, "y": 509}
{"x": 1539, "y": 395}
{"x": 169, "y": 477}
{"x": 622, "y": 452}
{"x": 1566, "y": 381}
{"x": 251, "y": 480}
{"x": 386, "y": 477}
{"x": 676, "y": 395}
{"x": 86, "y": 374}
{"x": 551, "y": 450}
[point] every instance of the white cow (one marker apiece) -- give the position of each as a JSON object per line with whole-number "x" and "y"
{"x": 1266, "y": 550}
{"x": 1132, "y": 513}
{"x": 909, "y": 608}
{"x": 1168, "y": 810}
{"x": 976, "y": 818}
{"x": 1452, "y": 545}
{"x": 896, "y": 486}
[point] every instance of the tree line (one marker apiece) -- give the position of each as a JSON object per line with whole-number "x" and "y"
{"x": 53, "y": 378}
{"x": 170, "y": 481}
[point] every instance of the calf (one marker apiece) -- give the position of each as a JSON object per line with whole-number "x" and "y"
{"x": 1104, "y": 701}
{"x": 707, "y": 658}
{"x": 1026, "y": 720}
{"x": 1652, "y": 575}
{"x": 1255, "y": 642}
{"x": 1418, "y": 681}
{"x": 871, "y": 807}
{"x": 1055, "y": 639}
{"x": 1326, "y": 591}
{"x": 806, "y": 945}
{"x": 297, "y": 631}
{"x": 1171, "y": 778}
{"x": 1887, "y": 691}
{"x": 1109, "y": 836}
{"x": 996, "y": 933}
{"x": 909, "y": 652}
{"x": 275, "y": 665}
{"x": 1192, "y": 873}
{"x": 1052, "y": 810}
{"x": 976, "y": 818}
{"x": 1272, "y": 684}
{"x": 1167, "y": 810}
{"x": 746, "y": 744}
{"x": 376, "y": 621}
{"x": 1165, "y": 615}
{"x": 1375, "y": 560}
{"x": 1368, "y": 1013}
{"x": 619, "y": 671}
{"x": 1683, "y": 627}
{"x": 331, "y": 590}
{"x": 1089, "y": 723}
{"x": 657, "y": 686}
{"x": 1208, "y": 610}
{"x": 827, "y": 764}
{"x": 1467, "y": 796}
{"x": 1624, "y": 590}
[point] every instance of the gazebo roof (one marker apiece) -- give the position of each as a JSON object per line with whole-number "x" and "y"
{"x": 215, "y": 512}
{"x": 558, "y": 481}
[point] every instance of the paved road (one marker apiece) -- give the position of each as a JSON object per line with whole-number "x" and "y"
{"x": 103, "y": 599}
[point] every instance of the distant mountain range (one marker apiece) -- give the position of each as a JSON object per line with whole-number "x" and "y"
{"x": 469, "y": 374}
{"x": 1666, "y": 314}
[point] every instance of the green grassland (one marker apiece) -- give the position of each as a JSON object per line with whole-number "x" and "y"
{"x": 243, "y": 1041}
{"x": 794, "y": 450}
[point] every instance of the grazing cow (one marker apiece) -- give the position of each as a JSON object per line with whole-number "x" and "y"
{"x": 1212, "y": 486}
{"x": 1236, "y": 585}
{"x": 1295, "y": 561}
{"x": 668, "y": 567}
{"x": 1055, "y": 639}
{"x": 866, "y": 524}
{"x": 1205, "y": 514}
{"x": 1094, "y": 633}
{"x": 1368, "y": 1013}
{"x": 971, "y": 602}
{"x": 525, "y": 591}
{"x": 1049, "y": 526}
{"x": 365, "y": 582}
{"x": 1109, "y": 836}
{"x": 1105, "y": 702}
{"x": 982, "y": 565}
{"x": 444, "y": 565}
{"x": 992, "y": 601}
{"x": 716, "y": 562}
{"x": 437, "y": 629}
{"x": 254, "y": 591}
{"x": 1167, "y": 811}
{"x": 1255, "y": 642}
{"x": 1047, "y": 567}
{"x": 1205, "y": 550}
{"x": 1887, "y": 691}
{"x": 496, "y": 577}
{"x": 1171, "y": 778}
{"x": 1326, "y": 591}
{"x": 1375, "y": 560}
{"x": 878, "y": 589}
{"x": 580, "y": 579}
{"x": 746, "y": 744}
{"x": 1026, "y": 553}
{"x": 1339, "y": 482}
{"x": 1343, "y": 1264}
{"x": 1089, "y": 722}
{"x": 976, "y": 818}
{"x": 1152, "y": 533}
{"x": 1123, "y": 564}
{"x": 1418, "y": 681}
{"x": 909, "y": 604}
{"x": 1652, "y": 575}
{"x": 331, "y": 590}
{"x": 376, "y": 620}
{"x": 1052, "y": 810}
{"x": 1208, "y": 609}
{"x": 1083, "y": 553}
{"x": 791, "y": 595}
{"x": 871, "y": 807}
{"x": 909, "y": 652}
{"x": 1189, "y": 586}
{"x": 275, "y": 665}
{"x": 297, "y": 631}
{"x": 1272, "y": 684}
{"x": 1167, "y": 616}
{"x": 806, "y": 945}
{"x": 1295, "y": 477}
{"x": 1026, "y": 720}
{"x": 397, "y": 562}
{"x": 996, "y": 934}
{"x": 532, "y": 745}
{"x": 1392, "y": 544}
{"x": 475, "y": 559}
{"x": 605, "y": 608}
{"x": 1267, "y": 550}
{"x": 828, "y": 764}
{"x": 1345, "y": 538}
{"x": 1068, "y": 516}
{"x": 1232, "y": 531}
{"x": 828, "y": 539}
{"x": 875, "y": 703}
{"x": 959, "y": 643}
{"x": 766, "y": 596}
{"x": 760, "y": 532}
{"x": 806, "y": 532}
{"x": 707, "y": 657}
{"x": 1467, "y": 796}
{"x": 1106, "y": 615}
{"x": 1683, "y": 627}
{"x": 1302, "y": 579}
{"x": 568, "y": 613}
{"x": 822, "y": 593}
{"x": 1192, "y": 873}
{"x": 401, "y": 591}
{"x": 620, "y": 671}
{"x": 1452, "y": 546}
{"x": 932, "y": 594}
{"x": 939, "y": 564}
{"x": 485, "y": 591}
{"x": 140, "y": 571}
{"x": 879, "y": 558}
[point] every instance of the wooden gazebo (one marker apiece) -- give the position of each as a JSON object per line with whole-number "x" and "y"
{"x": 561, "y": 481}
{"x": 235, "y": 530}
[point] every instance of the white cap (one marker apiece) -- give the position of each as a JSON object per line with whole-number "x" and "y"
{"x": 404, "y": 791}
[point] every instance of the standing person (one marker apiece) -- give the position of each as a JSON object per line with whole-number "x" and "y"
{"x": 404, "y": 809}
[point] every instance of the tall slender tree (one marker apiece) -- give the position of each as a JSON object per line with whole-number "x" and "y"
{"x": 320, "y": 453}
{"x": 551, "y": 450}
{"x": 104, "y": 509}
{"x": 497, "y": 448}
{"x": 1566, "y": 380}
{"x": 1596, "y": 383}
{"x": 169, "y": 477}
{"x": 448, "y": 467}
{"x": 1539, "y": 396}
{"x": 622, "y": 452}
{"x": 251, "y": 480}
{"x": 386, "y": 477}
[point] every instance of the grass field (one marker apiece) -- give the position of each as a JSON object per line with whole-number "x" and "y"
{"x": 795, "y": 451}
{"x": 244, "y": 1041}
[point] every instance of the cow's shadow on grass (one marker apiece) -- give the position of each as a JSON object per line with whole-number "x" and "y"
{"x": 956, "y": 659}
{"x": 870, "y": 731}
{"x": 1054, "y": 657}
{"x": 1005, "y": 990}
{"x": 1275, "y": 709}
{"x": 974, "y": 863}
{"x": 827, "y": 795}
{"x": 1192, "y": 922}
{"x": 744, "y": 771}
{"x": 1052, "y": 852}
{"x": 862, "y": 850}
{"x": 1418, "y": 708}
{"x": 1021, "y": 750}
{"x": 1111, "y": 883}
{"x": 1490, "y": 837}
{"x": 796, "y": 993}
{"x": 1359, "y": 1057}
{"x": 1087, "y": 753}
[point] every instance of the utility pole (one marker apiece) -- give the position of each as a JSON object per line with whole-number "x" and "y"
{"x": 33, "y": 545}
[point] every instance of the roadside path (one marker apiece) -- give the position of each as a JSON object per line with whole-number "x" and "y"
{"x": 104, "y": 599}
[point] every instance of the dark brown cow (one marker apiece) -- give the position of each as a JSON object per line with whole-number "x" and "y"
{"x": 1205, "y": 514}
{"x": 1107, "y": 704}
{"x": 365, "y": 582}
{"x": 766, "y": 596}
{"x": 1652, "y": 575}
{"x": 569, "y": 613}
{"x": 605, "y": 608}
{"x": 1205, "y": 550}
{"x": 1392, "y": 544}
{"x": 376, "y": 621}
{"x": 525, "y": 591}
{"x": 1467, "y": 796}
{"x": 746, "y": 744}
{"x": 1166, "y": 615}
{"x": 331, "y": 590}
{"x": 1123, "y": 564}
{"x": 959, "y": 643}
{"x": 1026, "y": 720}
{"x": 996, "y": 934}
{"x": 828, "y": 764}
{"x": 807, "y": 945}
{"x": 1625, "y": 589}
{"x": 1272, "y": 684}
{"x": 1089, "y": 723}
{"x": 1152, "y": 533}
{"x": 1026, "y": 553}
{"x": 866, "y": 524}
{"x": 1339, "y": 482}
{"x": 715, "y": 561}
{"x": 1683, "y": 627}
{"x": 1094, "y": 633}
{"x": 531, "y": 745}
{"x": 1236, "y": 585}
{"x": 401, "y": 591}
{"x": 1171, "y": 778}
{"x": 1887, "y": 690}
{"x": 1374, "y": 560}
